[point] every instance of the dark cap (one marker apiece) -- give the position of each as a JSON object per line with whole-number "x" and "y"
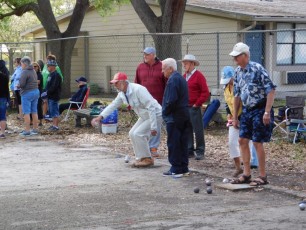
{"x": 83, "y": 79}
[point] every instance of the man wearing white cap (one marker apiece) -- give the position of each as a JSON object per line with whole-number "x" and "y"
{"x": 198, "y": 93}
{"x": 148, "y": 110}
{"x": 227, "y": 80}
{"x": 149, "y": 74}
{"x": 255, "y": 90}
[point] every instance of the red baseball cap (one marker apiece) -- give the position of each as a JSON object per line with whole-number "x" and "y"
{"x": 120, "y": 76}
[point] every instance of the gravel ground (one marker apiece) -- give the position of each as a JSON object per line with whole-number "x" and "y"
{"x": 286, "y": 163}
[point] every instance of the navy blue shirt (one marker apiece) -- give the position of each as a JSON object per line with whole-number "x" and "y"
{"x": 80, "y": 94}
{"x": 175, "y": 100}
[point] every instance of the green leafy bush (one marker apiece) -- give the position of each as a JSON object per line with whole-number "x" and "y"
{"x": 94, "y": 88}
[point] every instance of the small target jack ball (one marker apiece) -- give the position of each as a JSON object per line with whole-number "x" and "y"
{"x": 225, "y": 180}
{"x": 196, "y": 190}
{"x": 302, "y": 206}
{"x": 209, "y": 190}
{"x": 127, "y": 159}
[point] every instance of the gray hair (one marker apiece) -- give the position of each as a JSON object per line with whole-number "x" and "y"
{"x": 170, "y": 62}
{"x": 26, "y": 60}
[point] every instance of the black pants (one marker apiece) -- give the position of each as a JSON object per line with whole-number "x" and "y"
{"x": 39, "y": 109}
{"x": 178, "y": 146}
{"x": 198, "y": 130}
{"x": 65, "y": 106}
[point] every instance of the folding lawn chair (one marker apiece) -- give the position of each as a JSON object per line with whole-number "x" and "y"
{"x": 80, "y": 105}
{"x": 300, "y": 130}
{"x": 290, "y": 117}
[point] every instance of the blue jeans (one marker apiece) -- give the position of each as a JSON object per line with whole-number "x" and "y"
{"x": 29, "y": 101}
{"x": 53, "y": 108}
{"x": 3, "y": 101}
{"x": 155, "y": 140}
{"x": 254, "y": 159}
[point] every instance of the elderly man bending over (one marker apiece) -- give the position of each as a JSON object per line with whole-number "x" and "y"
{"x": 145, "y": 106}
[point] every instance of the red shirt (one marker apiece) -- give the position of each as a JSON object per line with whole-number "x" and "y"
{"x": 152, "y": 78}
{"x": 197, "y": 89}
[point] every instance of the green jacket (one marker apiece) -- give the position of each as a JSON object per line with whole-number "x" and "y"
{"x": 45, "y": 74}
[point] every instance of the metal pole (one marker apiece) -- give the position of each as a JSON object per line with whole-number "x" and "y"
{"x": 218, "y": 59}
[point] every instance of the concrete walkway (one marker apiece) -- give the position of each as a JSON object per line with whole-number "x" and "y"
{"x": 47, "y": 185}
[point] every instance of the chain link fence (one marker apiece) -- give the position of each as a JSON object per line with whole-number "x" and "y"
{"x": 281, "y": 52}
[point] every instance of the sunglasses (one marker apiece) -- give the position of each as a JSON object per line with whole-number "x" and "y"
{"x": 35, "y": 66}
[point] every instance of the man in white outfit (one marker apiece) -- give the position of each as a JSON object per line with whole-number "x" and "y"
{"x": 149, "y": 111}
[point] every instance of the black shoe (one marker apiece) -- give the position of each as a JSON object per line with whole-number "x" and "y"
{"x": 254, "y": 166}
{"x": 199, "y": 157}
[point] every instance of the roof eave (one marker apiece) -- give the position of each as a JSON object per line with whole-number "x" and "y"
{"x": 219, "y": 13}
{"x": 280, "y": 19}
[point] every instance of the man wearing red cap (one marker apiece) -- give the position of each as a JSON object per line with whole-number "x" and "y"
{"x": 148, "y": 110}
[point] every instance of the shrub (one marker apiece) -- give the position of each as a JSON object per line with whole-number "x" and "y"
{"x": 94, "y": 88}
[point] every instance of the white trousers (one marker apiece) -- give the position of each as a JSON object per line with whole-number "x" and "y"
{"x": 140, "y": 135}
{"x": 233, "y": 136}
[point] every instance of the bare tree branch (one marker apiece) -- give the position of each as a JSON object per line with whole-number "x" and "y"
{"x": 19, "y": 11}
{"x": 145, "y": 14}
{"x": 77, "y": 17}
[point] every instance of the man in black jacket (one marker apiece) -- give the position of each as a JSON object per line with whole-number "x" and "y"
{"x": 77, "y": 97}
{"x": 53, "y": 92}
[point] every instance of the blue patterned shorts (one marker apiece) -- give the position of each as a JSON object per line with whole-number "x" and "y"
{"x": 252, "y": 127}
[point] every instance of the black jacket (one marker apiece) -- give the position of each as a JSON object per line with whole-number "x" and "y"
{"x": 53, "y": 87}
{"x": 4, "y": 80}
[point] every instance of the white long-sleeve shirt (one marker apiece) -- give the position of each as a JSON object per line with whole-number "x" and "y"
{"x": 140, "y": 100}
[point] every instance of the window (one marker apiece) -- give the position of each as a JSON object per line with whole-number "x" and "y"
{"x": 291, "y": 45}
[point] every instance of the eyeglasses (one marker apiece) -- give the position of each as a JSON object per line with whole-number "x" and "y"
{"x": 35, "y": 66}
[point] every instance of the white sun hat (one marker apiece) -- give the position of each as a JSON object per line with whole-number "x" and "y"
{"x": 190, "y": 57}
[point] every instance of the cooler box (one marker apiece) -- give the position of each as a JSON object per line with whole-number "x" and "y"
{"x": 109, "y": 124}
{"x": 109, "y": 128}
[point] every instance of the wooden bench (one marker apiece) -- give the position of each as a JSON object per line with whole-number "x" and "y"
{"x": 83, "y": 113}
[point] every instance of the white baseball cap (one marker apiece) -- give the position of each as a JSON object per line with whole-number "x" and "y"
{"x": 239, "y": 48}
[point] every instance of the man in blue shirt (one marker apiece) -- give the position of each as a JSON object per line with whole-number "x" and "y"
{"x": 176, "y": 115}
{"x": 77, "y": 97}
{"x": 255, "y": 90}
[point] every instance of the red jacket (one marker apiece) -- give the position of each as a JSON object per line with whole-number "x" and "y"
{"x": 197, "y": 89}
{"x": 152, "y": 78}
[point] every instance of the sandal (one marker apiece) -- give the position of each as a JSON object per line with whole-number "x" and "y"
{"x": 242, "y": 180}
{"x": 261, "y": 180}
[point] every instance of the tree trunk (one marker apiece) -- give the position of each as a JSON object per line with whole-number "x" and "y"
{"x": 170, "y": 21}
{"x": 62, "y": 49}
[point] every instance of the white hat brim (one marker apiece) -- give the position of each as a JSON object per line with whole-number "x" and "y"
{"x": 196, "y": 63}
{"x": 235, "y": 53}
{"x": 225, "y": 81}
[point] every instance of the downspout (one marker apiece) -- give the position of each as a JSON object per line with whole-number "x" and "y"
{"x": 252, "y": 26}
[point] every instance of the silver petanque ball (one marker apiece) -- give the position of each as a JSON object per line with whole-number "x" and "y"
{"x": 302, "y": 206}
{"x": 225, "y": 180}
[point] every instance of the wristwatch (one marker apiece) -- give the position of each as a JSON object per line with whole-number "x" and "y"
{"x": 266, "y": 113}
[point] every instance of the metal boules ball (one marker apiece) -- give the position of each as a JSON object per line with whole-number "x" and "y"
{"x": 209, "y": 190}
{"x": 196, "y": 190}
{"x": 302, "y": 206}
{"x": 208, "y": 182}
